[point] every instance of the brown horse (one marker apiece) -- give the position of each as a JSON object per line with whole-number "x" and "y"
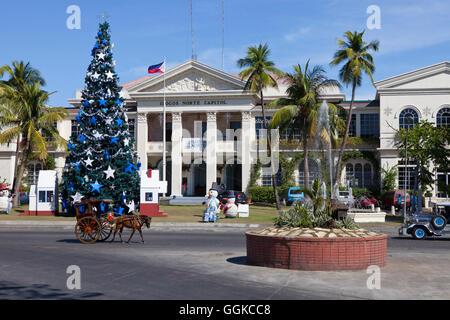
{"x": 131, "y": 222}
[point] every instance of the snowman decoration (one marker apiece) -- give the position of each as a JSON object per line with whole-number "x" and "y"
{"x": 5, "y": 201}
{"x": 212, "y": 206}
{"x": 231, "y": 210}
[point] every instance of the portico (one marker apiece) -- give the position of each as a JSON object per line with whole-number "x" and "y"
{"x": 209, "y": 128}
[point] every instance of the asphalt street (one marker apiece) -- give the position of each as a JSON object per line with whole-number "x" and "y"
{"x": 203, "y": 265}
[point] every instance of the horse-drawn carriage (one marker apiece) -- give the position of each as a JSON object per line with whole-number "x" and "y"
{"x": 96, "y": 223}
{"x": 93, "y": 223}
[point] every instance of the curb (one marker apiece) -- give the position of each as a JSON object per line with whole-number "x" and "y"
{"x": 69, "y": 225}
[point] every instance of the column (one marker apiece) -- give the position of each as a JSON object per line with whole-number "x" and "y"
{"x": 177, "y": 136}
{"x": 211, "y": 147}
{"x": 245, "y": 152}
{"x": 141, "y": 139}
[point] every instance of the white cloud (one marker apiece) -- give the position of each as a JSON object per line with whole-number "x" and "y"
{"x": 298, "y": 34}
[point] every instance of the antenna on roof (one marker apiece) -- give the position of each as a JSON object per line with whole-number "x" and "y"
{"x": 192, "y": 33}
{"x": 223, "y": 35}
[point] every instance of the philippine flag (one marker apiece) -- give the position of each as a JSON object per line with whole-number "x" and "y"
{"x": 157, "y": 68}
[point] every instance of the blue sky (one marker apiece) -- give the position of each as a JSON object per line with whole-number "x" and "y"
{"x": 413, "y": 34}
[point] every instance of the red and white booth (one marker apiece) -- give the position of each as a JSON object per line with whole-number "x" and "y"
{"x": 44, "y": 195}
{"x": 151, "y": 187}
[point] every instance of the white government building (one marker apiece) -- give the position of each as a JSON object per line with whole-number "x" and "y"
{"x": 208, "y": 112}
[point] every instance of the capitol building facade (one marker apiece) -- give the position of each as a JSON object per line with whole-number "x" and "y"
{"x": 213, "y": 128}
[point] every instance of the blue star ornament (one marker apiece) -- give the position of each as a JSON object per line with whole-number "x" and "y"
{"x": 107, "y": 155}
{"x": 82, "y": 138}
{"x": 102, "y": 206}
{"x": 86, "y": 103}
{"x": 118, "y": 101}
{"x": 120, "y": 210}
{"x": 93, "y": 120}
{"x": 102, "y": 102}
{"x": 69, "y": 146}
{"x": 104, "y": 41}
{"x": 100, "y": 33}
{"x": 96, "y": 186}
{"x": 119, "y": 122}
{"x": 114, "y": 140}
{"x": 129, "y": 168}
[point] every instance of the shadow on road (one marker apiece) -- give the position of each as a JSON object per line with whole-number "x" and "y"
{"x": 10, "y": 290}
{"x": 238, "y": 260}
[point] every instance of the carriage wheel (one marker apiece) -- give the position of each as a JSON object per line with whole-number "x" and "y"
{"x": 88, "y": 230}
{"x": 106, "y": 230}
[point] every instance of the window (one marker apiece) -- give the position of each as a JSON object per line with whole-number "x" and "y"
{"x": 131, "y": 127}
{"x": 443, "y": 118}
{"x": 370, "y": 125}
{"x": 149, "y": 196}
{"x": 358, "y": 176}
{"x": 442, "y": 181}
{"x": 408, "y": 119}
{"x": 267, "y": 177}
{"x": 49, "y": 196}
{"x": 287, "y": 134}
{"x": 33, "y": 173}
{"x": 367, "y": 176}
{"x": 314, "y": 172}
{"x": 75, "y": 128}
{"x": 349, "y": 175}
{"x": 352, "y": 128}
{"x": 259, "y": 124}
{"x": 406, "y": 177}
{"x": 41, "y": 196}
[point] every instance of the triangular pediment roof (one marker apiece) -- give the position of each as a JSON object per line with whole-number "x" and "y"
{"x": 188, "y": 77}
{"x": 429, "y": 78}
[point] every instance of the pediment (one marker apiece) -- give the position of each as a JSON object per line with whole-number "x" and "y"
{"x": 190, "y": 77}
{"x": 433, "y": 77}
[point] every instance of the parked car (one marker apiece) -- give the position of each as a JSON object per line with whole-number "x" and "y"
{"x": 292, "y": 195}
{"x": 367, "y": 200}
{"x": 241, "y": 197}
{"x": 395, "y": 198}
{"x": 345, "y": 196}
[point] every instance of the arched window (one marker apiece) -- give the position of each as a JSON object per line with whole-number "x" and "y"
{"x": 314, "y": 172}
{"x": 368, "y": 182}
{"x": 443, "y": 117}
{"x": 349, "y": 174}
{"x": 408, "y": 119}
{"x": 358, "y": 175}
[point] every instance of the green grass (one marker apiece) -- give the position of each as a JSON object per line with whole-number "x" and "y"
{"x": 258, "y": 214}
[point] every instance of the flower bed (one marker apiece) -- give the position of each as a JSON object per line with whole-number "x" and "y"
{"x": 316, "y": 248}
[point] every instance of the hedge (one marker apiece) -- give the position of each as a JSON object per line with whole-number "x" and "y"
{"x": 261, "y": 194}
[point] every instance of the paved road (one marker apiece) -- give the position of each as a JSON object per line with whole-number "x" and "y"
{"x": 203, "y": 265}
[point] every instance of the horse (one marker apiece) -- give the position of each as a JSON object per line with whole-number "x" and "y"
{"x": 131, "y": 222}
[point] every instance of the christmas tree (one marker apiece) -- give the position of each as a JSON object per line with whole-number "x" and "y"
{"x": 102, "y": 162}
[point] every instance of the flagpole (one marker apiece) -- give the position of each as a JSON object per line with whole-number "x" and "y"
{"x": 164, "y": 127}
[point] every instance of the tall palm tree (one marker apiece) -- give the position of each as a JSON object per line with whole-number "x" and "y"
{"x": 299, "y": 111}
{"x": 258, "y": 75}
{"x": 19, "y": 74}
{"x": 28, "y": 117}
{"x": 354, "y": 53}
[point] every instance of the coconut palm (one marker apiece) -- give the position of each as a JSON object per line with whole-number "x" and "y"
{"x": 27, "y": 116}
{"x": 259, "y": 75}
{"x": 354, "y": 53}
{"x": 299, "y": 111}
{"x": 19, "y": 74}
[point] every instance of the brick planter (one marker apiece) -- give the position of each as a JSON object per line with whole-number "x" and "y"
{"x": 304, "y": 253}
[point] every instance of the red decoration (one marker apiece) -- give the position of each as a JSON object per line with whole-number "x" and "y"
{"x": 149, "y": 173}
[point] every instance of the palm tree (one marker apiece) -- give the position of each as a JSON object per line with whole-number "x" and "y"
{"x": 258, "y": 75}
{"x": 19, "y": 73}
{"x": 354, "y": 53}
{"x": 27, "y": 116}
{"x": 300, "y": 109}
